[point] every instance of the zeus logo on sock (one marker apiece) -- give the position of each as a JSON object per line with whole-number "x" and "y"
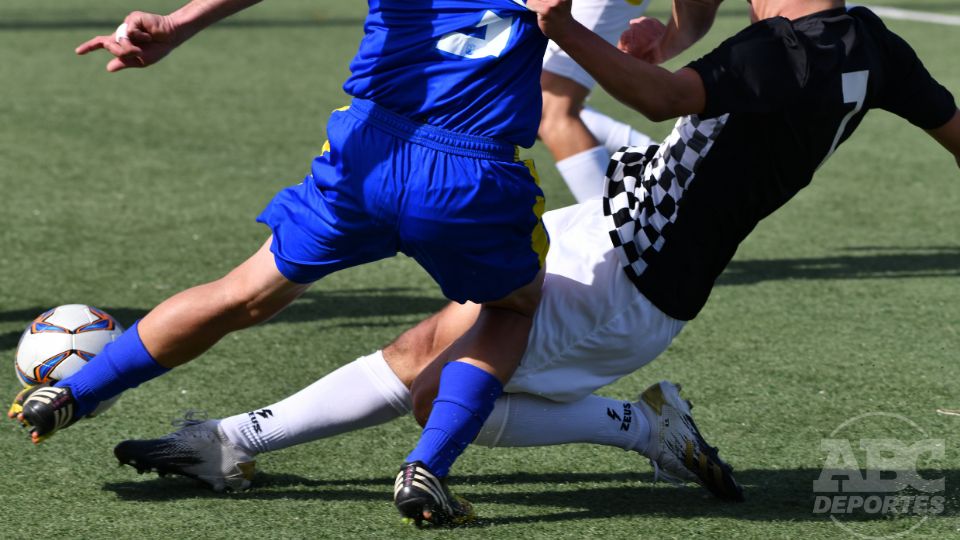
{"x": 252, "y": 415}
{"x": 627, "y": 417}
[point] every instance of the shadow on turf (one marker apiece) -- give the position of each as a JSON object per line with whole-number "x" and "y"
{"x": 857, "y": 263}
{"x": 312, "y": 306}
{"x": 772, "y": 495}
{"x": 867, "y": 262}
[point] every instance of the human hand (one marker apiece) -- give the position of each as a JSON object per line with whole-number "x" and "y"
{"x": 553, "y": 16}
{"x": 142, "y": 40}
{"x": 643, "y": 40}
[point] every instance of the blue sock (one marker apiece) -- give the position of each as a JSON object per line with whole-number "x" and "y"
{"x": 464, "y": 401}
{"x": 122, "y": 365}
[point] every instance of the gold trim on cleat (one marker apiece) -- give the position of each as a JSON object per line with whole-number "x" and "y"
{"x": 653, "y": 397}
{"x": 718, "y": 476}
{"x": 247, "y": 469}
{"x": 17, "y": 406}
{"x": 15, "y": 410}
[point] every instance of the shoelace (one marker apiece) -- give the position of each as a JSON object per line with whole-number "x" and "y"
{"x": 191, "y": 417}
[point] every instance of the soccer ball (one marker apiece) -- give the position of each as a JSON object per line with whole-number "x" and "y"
{"x": 60, "y": 341}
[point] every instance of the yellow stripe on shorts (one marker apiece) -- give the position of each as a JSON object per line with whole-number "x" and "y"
{"x": 539, "y": 241}
{"x": 326, "y": 144}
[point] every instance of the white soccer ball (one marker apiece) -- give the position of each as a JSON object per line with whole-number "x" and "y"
{"x": 60, "y": 341}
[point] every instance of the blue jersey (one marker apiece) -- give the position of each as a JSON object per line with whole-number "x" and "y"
{"x": 467, "y": 66}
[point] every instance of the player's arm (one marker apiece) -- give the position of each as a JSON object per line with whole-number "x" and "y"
{"x": 147, "y": 37}
{"x": 653, "y": 91}
{"x": 949, "y": 135}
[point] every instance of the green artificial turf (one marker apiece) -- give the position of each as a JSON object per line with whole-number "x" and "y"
{"x": 118, "y": 190}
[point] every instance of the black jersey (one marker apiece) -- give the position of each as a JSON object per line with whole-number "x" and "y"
{"x": 780, "y": 97}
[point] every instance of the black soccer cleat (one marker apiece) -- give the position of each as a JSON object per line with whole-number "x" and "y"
{"x": 44, "y": 409}
{"x": 420, "y": 496}
{"x": 198, "y": 450}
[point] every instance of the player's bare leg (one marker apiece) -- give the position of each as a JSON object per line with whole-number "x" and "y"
{"x": 475, "y": 368}
{"x": 492, "y": 337}
{"x": 580, "y": 158}
{"x": 561, "y": 129}
{"x": 415, "y": 349}
{"x": 190, "y": 322}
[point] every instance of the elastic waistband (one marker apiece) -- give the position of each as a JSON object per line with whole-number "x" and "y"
{"x": 431, "y": 136}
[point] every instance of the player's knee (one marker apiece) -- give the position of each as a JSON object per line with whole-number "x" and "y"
{"x": 407, "y": 358}
{"x": 562, "y": 100}
{"x": 556, "y": 115}
{"x": 415, "y": 342}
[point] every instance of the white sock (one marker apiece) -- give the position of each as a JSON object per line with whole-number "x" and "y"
{"x": 361, "y": 394}
{"x": 526, "y": 420}
{"x": 612, "y": 133}
{"x": 584, "y": 172}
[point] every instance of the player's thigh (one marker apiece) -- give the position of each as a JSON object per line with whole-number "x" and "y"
{"x": 606, "y": 18}
{"x": 259, "y": 285}
{"x": 592, "y": 327}
{"x": 342, "y": 214}
{"x": 474, "y": 226}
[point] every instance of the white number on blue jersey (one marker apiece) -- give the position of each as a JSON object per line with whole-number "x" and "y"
{"x": 854, "y": 91}
{"x": 495, "y": 39}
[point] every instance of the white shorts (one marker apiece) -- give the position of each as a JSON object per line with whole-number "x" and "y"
{"x": 607, "y": 18}
{"x": 593, "y": 326}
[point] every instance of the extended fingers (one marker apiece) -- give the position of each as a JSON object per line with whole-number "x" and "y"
{"x": 125, "y": 62}
{"x": 117, "y": 47}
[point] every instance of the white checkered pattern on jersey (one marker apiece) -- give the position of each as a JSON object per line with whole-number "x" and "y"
{"x": 644, "y": 188}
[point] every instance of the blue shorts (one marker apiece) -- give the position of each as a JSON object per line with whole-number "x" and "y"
{"x": 464, "y": 207}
